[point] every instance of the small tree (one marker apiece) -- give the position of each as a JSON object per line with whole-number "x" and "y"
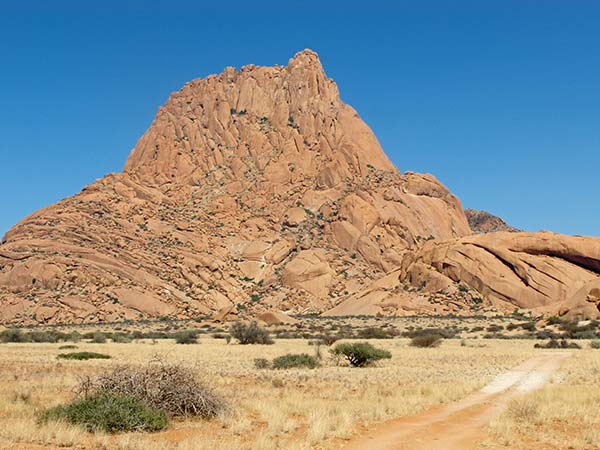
{"x": 360, "y": 354}
{"x": 250, "y": 333}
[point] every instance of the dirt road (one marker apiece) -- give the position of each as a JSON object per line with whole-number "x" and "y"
{"x": 461, "y": 425}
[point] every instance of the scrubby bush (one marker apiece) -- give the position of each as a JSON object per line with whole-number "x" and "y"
{"x": 553, "y": 343}
{"x": 109, "y": 413}
{"x": 373, "y": 333}
{"x": 99, "y": 338}
{"x": 446, "y": 333}
{"x": 290, "y": 361}
{"x": 262, "y": 363}
{"x": 13, "y": 335}
{"x": 121, "y": 338}
{"x": 83, "y": 356}
{"x": 426, "y": 340}
{"x": 250, "y": 333}
{"x": 360, "y": 354}
{"x": 186, "y": 337}
{"x": 45, "y": 336}
{"x": 595, "y": 345}
{"x": 172, "y": 388}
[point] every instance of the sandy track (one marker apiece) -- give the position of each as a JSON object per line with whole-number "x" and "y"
{"x": 461, "y": 425}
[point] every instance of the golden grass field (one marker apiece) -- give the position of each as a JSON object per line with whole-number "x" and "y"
{"x": 302, "y": 408}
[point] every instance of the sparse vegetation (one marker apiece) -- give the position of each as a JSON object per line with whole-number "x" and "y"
{"x": 554, "y": 343}
{"x": 83, "y": 356}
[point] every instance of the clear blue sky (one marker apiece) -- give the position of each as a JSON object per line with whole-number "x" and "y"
{"x": 499, "y": 99}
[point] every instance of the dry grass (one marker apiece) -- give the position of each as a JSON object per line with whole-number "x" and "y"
{"x": 292, "y": 409}
{"x": 564, "y": 414}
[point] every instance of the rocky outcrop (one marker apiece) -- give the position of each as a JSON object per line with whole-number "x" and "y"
{"x": 544, "y": 271}
{"x": 257, "y": 189}
{"x": 484, "y": 222}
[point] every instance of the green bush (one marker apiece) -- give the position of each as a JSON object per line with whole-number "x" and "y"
{"x": 186, "y": 337}
{"x": 250, "y": 333}
{"x": 426, "y": 340}
{"x": 360, "y": 354}
{"x": 109, "y": 413}
{"x": 595, "y": 345}
{"x": 291, "y": 361}
{"x": 83, "y": 356}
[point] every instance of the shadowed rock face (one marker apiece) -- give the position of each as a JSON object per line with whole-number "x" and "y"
{"x": 484, "y": 222}
{"x": 259, "y": 190}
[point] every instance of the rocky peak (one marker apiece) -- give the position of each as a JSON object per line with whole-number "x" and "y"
{"x": 271, "y": 120}
{"x": 252, "y": 188}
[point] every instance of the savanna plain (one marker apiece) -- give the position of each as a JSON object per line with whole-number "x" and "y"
{"x": 323, "y": 407}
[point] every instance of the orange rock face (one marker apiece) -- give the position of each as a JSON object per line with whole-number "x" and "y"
{"x": 260, "y": 190}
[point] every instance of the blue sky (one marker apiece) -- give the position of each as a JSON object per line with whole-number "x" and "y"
{"x": 499, "y": 99}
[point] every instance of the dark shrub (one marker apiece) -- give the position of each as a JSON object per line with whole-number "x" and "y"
{"x": 45, "y": 336}
{"x": 250, "y": 333}
{"x": 553, "y": 343}
{"x": 109, "y": 413}
{"x": 186, "y": 337}
{"x": 360, "y": 354}
{"x": 446, "y": 333}
{"x": 172, "y": 388}
{"x": 291, "y": 361}
{"x": 554, "y": 320}
{"x": 373, "y": 333}
{"x": 595, "y": 345}
{"x": 13, "y": 335}
{"x": 67, "y": 347}
{"x": 83, "y": 356}
{"x": 426, "y": 340}
{"x": 546, "y": 334}
{"x": 585, "y": 334}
